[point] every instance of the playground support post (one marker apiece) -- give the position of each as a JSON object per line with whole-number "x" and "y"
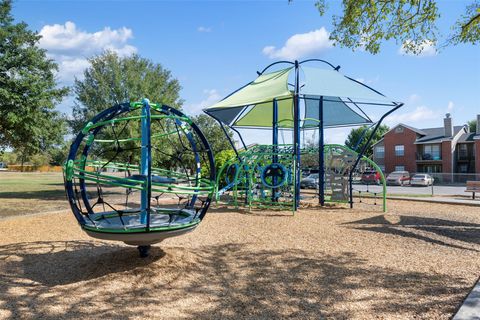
{"x": 367, "y": 144}
{"x": 146, "y": 163}
{"x": 240, "y": 136}
{"x": 275, "y": 144}
{"x": 321, "y": 154}
{"x": 296, "y": 135}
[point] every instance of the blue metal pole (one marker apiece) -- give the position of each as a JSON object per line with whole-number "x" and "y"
{"x": 145, "y": 163}
{"x": 296, "y": 136}
{"x": 321, "y": 154}
{"x": 275, "y": 144}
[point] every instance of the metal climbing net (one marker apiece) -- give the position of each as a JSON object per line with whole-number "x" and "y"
{"x": 123, "y": 175}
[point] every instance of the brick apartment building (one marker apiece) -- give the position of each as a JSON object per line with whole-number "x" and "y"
{"x": 447, "y": 149}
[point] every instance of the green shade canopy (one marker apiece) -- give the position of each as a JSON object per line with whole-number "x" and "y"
{"x": 265, "y": 88}
{"x": 252, "y": 105}
{"x": 260, "y": 115}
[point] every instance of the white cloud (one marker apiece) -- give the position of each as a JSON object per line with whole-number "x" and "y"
{"x": 71, "y": 47}
{"x": 450, "y": 106}
{"x": 413, "y": 98}
{"x": 211, "y": 96}
{"x": 204, "y": 29}
{"x": 421, "y": 113}
{"x": 426, "y": 49}
{"x": 301, "y": 45}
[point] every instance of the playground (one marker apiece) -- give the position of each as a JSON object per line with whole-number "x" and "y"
{"x": 288, "y": 234}
{"x": 418, "y": 260}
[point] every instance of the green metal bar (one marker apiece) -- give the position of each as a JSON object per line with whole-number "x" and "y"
{"x": 142, "y": 230}
{"x": 159, "y": 135}
{"x": 91, "y": 126}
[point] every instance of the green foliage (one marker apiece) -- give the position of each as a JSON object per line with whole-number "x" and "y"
{"x": 221, "y": 158}
{"x": 40, "y": 159}
{"x": 412, "y": 23}
{"x": 58, "y": 154}
{"x": 8, "y": 157}
{"x": 472, "y": 125}
{"x": 111, "y": 79}
{"x": 28, "y": 90}
{"x": 467, "y": 27}
{"x": 356, "y": 134}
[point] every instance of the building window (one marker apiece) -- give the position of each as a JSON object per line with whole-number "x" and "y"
{"x": 431, "y": 168}
{"x": 431, "y": 152}
{"x": 463, "y": 168}
{"x": 462, "y": 151}
{"x": 399, "y": 129}
{"x": 380, "y": 152}
{"x": 399, "y": 168}
{"x": 399, "y": 150}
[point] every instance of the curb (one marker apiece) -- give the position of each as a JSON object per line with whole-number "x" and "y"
{"x": 471, "y": 204}
{"x": 469, "y": 310}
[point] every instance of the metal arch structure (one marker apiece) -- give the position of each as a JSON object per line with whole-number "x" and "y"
{"x": 296, "y": 96}
{"x": 114, "y": 154}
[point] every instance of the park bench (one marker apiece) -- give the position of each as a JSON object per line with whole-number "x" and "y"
{"x": 473, "y": 186}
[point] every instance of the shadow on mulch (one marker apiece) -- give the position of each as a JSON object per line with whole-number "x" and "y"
{"x": 455, "y": 230}
{"x": 59, "y": 263}
{"x": 237, "y": 282}
{"x": 40, "y": 195}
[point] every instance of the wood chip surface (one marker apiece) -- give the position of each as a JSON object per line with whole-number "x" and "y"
{"x": 418, "y": 261}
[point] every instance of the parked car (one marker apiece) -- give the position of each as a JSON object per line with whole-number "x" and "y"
{"x": 421, "y": 179}
{"x": 398, "y": 178}
{"x": 370, "y": 177}
{"x": 310, "y": 182}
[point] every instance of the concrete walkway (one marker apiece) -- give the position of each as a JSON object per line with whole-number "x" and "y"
{"x": 470, "y": 309}
{"x": 445, "y": 200}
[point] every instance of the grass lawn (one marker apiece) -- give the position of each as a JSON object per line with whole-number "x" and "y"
{"x": 31, "y": 192}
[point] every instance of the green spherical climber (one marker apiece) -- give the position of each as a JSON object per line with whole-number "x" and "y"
{"x": 139, "y": 173}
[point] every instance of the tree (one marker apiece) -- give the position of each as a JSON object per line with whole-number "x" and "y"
{"x": 357, "y": 138}
{"x": 8, "y": 157}
{"x": 221, "y": 158}
{"x": 472, "y": 125}
{"x": 412, "y": 23}
{"x": 111, "y": 79}
{"x": 58, "y": 154}
{"x": 213, "y": 132}
{"x": 29, "y": 93}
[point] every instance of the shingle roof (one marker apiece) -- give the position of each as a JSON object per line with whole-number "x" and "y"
{"x": 436, "y": 135}
{"x": 467, "y": 137}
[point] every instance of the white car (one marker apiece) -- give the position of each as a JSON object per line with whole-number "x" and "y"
{"x": 421, "y": 179}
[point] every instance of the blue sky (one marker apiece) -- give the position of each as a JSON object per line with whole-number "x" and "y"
{"x": 216, "y": 46}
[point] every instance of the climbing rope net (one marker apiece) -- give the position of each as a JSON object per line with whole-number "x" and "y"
{"x": 139, "y": 167}
{"x": 263, "y": 177}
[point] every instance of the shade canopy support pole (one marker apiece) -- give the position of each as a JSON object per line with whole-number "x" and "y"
{"x": 226, "y": 134}
{"x": 364, "y": 149}
{"x": 321, "y": 154}
{"x": 275, "y": 144}
{"x": 296, "y": 136}
{"x": 240, "y": 136}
